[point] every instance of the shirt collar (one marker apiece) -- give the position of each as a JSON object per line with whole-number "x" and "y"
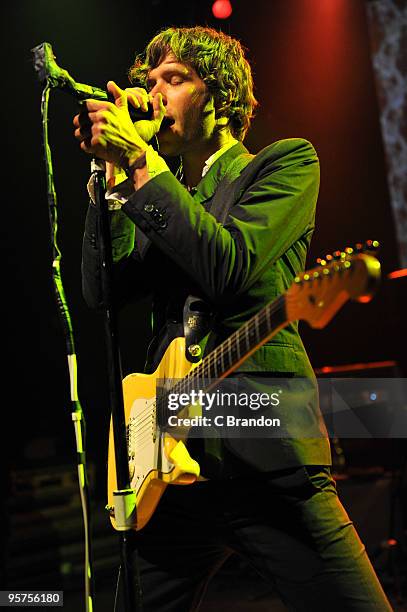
{"x": 208, "y": 163}
{"x": 212, "y": 159}
{"x": 217, "y": 170}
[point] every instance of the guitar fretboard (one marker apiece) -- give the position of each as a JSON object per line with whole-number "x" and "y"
{"x": 223, "y": 360}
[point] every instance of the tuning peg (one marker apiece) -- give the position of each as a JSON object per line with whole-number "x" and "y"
{"x": 339, "y": 255}
{"x": 371, "y": 245}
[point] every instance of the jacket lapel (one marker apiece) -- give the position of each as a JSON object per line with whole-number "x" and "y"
{"x": 223, "y": 170}
{"x": 208, "y": 184}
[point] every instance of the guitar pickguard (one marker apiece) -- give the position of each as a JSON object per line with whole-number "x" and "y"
{"x": 146, "y": 451}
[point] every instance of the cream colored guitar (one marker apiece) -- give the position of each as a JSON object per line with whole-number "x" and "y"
{"x": 157, "y": 458}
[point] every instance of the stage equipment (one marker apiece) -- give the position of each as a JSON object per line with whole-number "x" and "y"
{"x": 157, "y": 453}
{"x": 54, "y": 77}
{"x": 379, "y": 457}
{"x": 48, "y": 71}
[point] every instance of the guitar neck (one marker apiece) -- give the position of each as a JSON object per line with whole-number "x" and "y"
{"x": 229, "y": 355}
{"x": 314, "y": 296}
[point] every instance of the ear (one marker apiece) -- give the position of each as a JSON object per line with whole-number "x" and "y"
{"x": 222, "y": 106}
{"x": 220, "y": 114}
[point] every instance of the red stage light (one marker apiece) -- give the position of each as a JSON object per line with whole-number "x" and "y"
{"x": 222, "y": 9}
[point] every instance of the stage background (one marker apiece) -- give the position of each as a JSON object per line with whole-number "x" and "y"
{"x": 314, "y": 73}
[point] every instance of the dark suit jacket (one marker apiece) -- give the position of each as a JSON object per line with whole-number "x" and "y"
{"x": 237, "y": 267}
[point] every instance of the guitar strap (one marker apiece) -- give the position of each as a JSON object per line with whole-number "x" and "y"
{"x": 198, "y": 318}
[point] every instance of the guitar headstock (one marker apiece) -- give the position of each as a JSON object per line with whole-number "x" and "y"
{"x": 317, "y": 294}
{"x": 370, "y": 247}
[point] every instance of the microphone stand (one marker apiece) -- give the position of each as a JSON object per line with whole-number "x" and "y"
{"x": 78, "y": 416}
{"x": 125, "y": 499}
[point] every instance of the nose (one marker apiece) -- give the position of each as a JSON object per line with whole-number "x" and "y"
{"x": 158, "y": 88}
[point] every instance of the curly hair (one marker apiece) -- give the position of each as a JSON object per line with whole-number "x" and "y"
{"x": 218, "y": 59}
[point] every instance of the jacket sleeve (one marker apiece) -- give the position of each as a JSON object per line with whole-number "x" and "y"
{"x": 130, "y": 277}
{"x": 274, "y": 211}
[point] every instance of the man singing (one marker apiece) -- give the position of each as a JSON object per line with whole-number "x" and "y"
{"x": 231, "y": 229}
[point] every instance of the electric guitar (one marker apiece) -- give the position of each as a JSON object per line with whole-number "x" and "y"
{"x": 157, "y": 458}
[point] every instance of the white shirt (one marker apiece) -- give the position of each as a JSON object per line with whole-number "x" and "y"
{"x": 118, "y": 194}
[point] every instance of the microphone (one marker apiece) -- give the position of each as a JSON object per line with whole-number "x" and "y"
{"x": 48, "y": 70}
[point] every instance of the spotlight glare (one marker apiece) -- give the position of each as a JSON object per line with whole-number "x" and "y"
{"x": 222, "y": 9}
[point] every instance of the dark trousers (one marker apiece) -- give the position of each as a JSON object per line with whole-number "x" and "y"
{"x": 291, "y": 527}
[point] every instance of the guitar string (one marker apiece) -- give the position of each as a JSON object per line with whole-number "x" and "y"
{"x": 140, "y": 441}
{"x": 142, "y": 436}
{"x": 149, "y": 406}
{"x": 207, "y": 364}
{"x": 141, "y": 446}
{"x": 225, "y": 348}
{"x": 217, "y": 356}
{"x": 220, "y": 351}
{"x": 139, "y": 416}
{"x": 140, "y": 433}
{"x": 136, "y": 429}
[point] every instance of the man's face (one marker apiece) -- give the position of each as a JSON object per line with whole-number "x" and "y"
{"x": 188, "y": 105}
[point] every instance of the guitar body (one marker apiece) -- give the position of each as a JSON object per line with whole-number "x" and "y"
{"x": 155, "y": 459}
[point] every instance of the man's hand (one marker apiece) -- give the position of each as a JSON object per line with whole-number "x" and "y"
{"x": 139, "y": 98}
{"x": 106, "y": 130}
